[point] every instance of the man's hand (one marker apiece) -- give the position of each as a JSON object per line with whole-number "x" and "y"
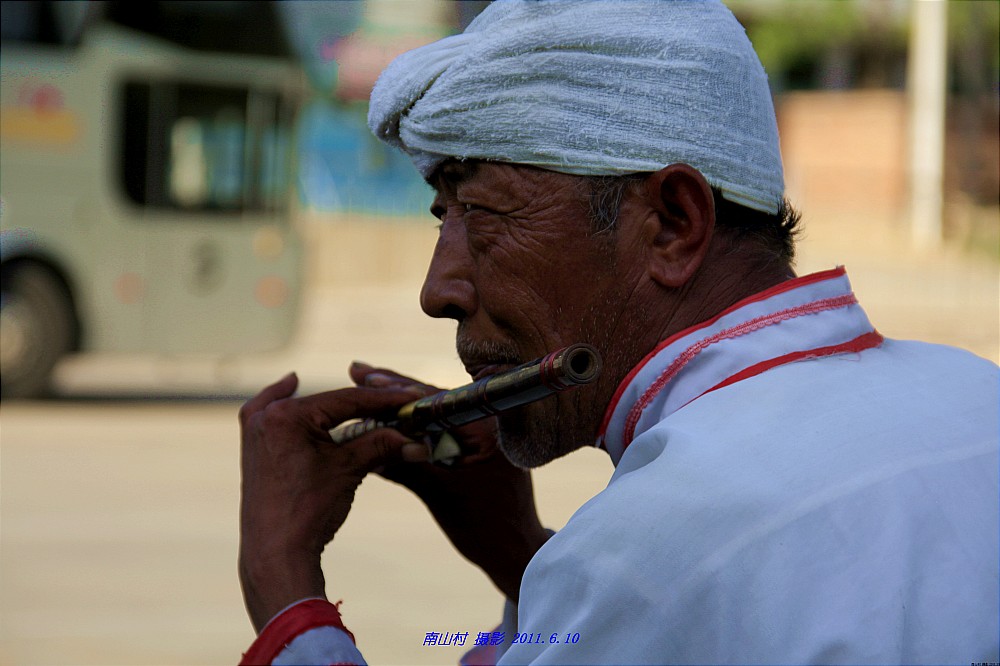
{"x": 485, "y": 505}
{"x": 298, "y": 486}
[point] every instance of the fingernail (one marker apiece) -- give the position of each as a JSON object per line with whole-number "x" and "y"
{"x": 414, "y": 453}
{"x": 378, "y": 380}
{"x": 357, "y": 365}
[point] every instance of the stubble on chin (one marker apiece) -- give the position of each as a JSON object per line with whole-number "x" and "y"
{"x": 516, "y": 449}
{"x": 521, "y": 450}
{"x": 537, "y": 434}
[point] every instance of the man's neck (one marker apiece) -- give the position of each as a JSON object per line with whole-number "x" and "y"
{"x": 719, "y": 283}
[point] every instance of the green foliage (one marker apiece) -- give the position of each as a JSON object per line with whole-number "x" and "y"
{"x": 974, "y": 46}
{"x": 788, "y": 32}
{"x": 793, "y": 37}
{"x": 784, "y": 33}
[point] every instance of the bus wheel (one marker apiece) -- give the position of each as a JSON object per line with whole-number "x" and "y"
{"x": 36, "y": 328}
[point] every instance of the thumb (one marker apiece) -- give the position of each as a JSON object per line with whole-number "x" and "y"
{"x": 378, "y": 449}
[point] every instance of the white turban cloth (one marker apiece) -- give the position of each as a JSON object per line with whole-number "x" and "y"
{"x": 591, "y": 87}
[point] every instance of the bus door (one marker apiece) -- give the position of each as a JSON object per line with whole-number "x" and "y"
{"x": 210, "y": 169}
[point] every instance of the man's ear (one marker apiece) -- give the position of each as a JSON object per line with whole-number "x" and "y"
{"x": 685, "y": 217}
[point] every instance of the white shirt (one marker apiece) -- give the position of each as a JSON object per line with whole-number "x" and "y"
{"x": 835, "y": 501}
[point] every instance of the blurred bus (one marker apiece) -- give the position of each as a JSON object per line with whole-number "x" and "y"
{"x": 146, "y": 201}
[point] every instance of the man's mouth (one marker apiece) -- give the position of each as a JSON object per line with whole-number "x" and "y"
{"x": 481, "y": 371}
{"x": 483, "y": 358}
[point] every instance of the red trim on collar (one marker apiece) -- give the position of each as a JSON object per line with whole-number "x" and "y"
{"x": 859, "y": 344}
{"x": 865, "y": 341}
{"x": 284, "y": 628}
{"x": 746, "y": 327}
{"x": 779, "y": 288}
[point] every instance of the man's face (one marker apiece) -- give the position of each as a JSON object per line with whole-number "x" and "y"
{"x": 517, "y": 266}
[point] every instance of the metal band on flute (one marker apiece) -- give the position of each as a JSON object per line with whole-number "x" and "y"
{"x": 558, "y": 371}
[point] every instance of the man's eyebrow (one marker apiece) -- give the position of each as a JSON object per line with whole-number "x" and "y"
{"x": 452, "y": 173}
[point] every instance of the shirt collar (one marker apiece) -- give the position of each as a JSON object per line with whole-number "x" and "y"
{"x": 806, "y": 317}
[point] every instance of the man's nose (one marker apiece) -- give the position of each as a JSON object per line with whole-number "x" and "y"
{"x": 449, "y": 289}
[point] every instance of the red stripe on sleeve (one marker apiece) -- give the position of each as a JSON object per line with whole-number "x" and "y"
{"x": 284, "y": 628}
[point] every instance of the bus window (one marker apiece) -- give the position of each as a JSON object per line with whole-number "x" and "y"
{"x": 198, "y": 147}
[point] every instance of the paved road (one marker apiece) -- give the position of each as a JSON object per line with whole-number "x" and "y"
{"x": 119, "y": 543}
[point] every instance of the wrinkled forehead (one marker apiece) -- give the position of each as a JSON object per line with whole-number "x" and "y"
{"x": 507, "y": 187}
{"x": 454, "y": 172}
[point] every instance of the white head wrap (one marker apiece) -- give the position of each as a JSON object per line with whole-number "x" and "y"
{"x": 591, "y": 87}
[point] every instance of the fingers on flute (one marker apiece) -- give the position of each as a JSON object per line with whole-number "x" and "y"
{"x": 363, "y": 374}
{"x": 414, "y": 452}
{"x": 382, "y": 380}
{"x": 410, "y": 451}
{"x": 334, "y": 407}
{"x": 380, "y": 448}
{"x": 358, "y": 370}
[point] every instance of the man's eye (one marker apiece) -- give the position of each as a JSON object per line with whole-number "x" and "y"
{"x": 472, "y": 208}
{"x": 462, "y": 209}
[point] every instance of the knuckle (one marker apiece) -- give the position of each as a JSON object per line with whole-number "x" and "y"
{"x": 245, "y": 412}
{"x": 383, "y": 449}
{"x": 277, "y": 413}
{"x": 380, "y": 449}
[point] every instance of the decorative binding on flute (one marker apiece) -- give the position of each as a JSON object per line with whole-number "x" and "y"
{"x": 558, "y": 371}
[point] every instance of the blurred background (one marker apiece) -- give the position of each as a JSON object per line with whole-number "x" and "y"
{"x": 192, "y": 206}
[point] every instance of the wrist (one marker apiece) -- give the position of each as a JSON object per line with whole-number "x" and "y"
{"x": 273, "y": 581}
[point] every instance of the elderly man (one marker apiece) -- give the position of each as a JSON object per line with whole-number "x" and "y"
{"x": 789, "y": 487}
